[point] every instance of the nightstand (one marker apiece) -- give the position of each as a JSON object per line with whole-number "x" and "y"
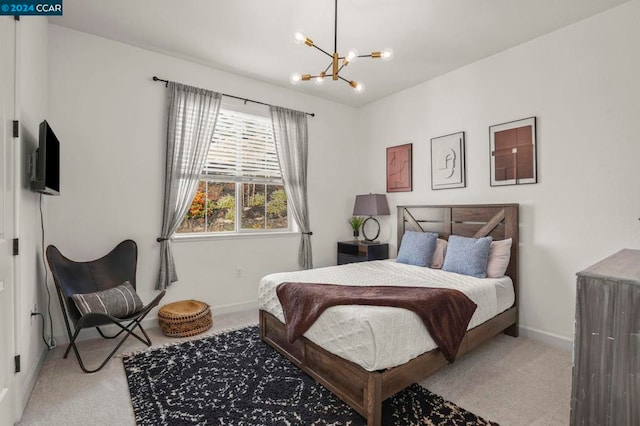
{"x": 361, "y": 251}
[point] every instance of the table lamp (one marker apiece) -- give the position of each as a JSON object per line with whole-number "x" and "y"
{"x": 371, "y": 205}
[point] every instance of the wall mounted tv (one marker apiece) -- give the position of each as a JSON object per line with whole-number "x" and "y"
{"x": 46, "y": 178}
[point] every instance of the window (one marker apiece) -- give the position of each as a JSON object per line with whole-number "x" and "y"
{"x": 241, "y": 187}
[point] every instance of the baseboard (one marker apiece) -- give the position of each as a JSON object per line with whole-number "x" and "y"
{"x": 235, "y": 307}
{"x": 551, "y": 339}
{"x": 151, "y": 322}
{"x": 31, "y": 379}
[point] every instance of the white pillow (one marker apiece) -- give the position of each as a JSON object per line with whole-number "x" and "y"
{"x": 499, "y": 256}
{"x": 438, "y": 256}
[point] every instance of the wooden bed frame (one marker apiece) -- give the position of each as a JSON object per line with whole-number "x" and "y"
{"x": 365, "y": 390}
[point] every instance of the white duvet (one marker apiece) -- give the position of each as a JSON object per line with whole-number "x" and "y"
{"x": 383, "y": 337}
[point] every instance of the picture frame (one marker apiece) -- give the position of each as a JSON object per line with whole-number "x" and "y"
{"x": 448, "y": 168}
{"x": 513, "y": 153}
{"x": 399, "y": 168}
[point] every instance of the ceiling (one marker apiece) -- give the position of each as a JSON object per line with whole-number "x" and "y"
{"x": 254, "y": 38}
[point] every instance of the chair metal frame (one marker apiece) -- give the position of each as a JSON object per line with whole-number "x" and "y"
{"x": 95, "y": 275}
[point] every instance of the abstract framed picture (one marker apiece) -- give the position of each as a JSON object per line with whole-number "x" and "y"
{"x": 399, "y": 174}
{"x": 447, "y": 162}
{"x": 513, "y": 152}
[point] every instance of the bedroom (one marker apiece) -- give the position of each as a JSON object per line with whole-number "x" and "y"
{"x": 580, "y": 81}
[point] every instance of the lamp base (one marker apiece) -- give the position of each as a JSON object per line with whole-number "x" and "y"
{"x": 364, "y": 233}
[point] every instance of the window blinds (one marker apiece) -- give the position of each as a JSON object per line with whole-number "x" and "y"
{"x": 242, "y": 150}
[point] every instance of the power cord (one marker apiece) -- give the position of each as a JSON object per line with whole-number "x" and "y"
{"x": 52, "y": 342}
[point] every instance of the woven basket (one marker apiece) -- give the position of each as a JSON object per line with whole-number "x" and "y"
{"x": 185, "y": 318}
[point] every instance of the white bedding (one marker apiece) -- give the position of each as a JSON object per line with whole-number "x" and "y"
{"x": 382, "y": 337}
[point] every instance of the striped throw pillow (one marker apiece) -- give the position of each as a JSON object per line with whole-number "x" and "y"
{"x": 119, "y": 302}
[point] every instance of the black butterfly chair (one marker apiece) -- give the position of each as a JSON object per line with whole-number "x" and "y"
{"x": 107, "y": 272}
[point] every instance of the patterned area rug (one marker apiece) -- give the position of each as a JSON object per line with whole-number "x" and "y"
{"x": 235, "y": 379}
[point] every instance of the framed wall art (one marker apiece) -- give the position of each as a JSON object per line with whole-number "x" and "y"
{"x": 399, "y": 174}
{"x": 513, "y": 152}
{"x": 447, "y": 162}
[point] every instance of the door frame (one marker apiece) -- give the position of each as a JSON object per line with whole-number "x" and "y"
{"x": 8, "y": 111}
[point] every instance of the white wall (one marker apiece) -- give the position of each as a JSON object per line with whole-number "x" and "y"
{"x": 581, "y": 82}
{"x": 111, "y": 120}
{"x": 32, "y": 109}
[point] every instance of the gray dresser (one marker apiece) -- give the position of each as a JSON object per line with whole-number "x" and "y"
{"x": 606, "y": 357}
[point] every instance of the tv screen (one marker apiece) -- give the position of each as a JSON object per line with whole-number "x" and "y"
{"x": 47, "y": 176}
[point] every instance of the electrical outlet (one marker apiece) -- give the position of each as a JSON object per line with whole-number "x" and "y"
{"x": 238, "y": 272}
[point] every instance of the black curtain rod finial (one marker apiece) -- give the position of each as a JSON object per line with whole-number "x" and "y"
{"x": 166, "y": 82}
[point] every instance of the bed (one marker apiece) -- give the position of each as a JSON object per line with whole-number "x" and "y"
{"x": 379, "y": 351}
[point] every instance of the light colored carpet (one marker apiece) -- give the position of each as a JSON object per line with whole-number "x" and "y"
{"x": 512, "y": 381}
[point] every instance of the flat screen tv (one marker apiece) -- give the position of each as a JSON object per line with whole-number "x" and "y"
{"x": 47, "y": 162}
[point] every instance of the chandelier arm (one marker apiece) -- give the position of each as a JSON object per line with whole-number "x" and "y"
{"x": 344, "y": 79}
{"x": 310, "y": 77}
{"x": 322, "y": 50}
{"x": 328, "y": 66}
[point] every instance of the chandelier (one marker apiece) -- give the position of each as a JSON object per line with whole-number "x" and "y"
{"x": 338, "y": 62}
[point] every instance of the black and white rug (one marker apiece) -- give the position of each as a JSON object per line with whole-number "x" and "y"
{"x": 235, "y": 379}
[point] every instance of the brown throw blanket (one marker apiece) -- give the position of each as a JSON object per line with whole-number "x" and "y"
{"x": 445, "y": 312}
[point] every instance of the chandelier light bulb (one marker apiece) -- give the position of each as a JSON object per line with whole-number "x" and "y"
{"x": 352, "y": 55}
{"x": 295, "y": 78}
{"x": 387, "y": 55}
{"x": 319, "y": 79}
{"x": 299, "y": 37}
{"x": 357, "y": 87}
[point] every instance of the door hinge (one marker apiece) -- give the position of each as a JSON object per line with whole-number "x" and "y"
{"x": 16, "y": 128}
{"x": 16, "y": 360}
{"x": 16, "y": 247}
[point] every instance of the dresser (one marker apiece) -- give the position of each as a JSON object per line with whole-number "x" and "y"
{"x": 606, "y": 358}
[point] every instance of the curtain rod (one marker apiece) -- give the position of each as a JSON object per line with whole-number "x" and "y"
{"x": 166, "y": 84}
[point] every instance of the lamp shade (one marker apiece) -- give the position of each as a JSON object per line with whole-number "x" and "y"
{"x": 371, "y": 205}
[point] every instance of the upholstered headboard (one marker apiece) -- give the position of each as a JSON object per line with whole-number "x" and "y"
{"x": 499, "y": 221}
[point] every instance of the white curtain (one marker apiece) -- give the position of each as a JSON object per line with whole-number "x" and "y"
{"x": 192, "y": 118}
{"x": 292, "y": 140}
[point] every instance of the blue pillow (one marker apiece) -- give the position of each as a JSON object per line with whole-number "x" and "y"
{"x": 417, "y": 248}
{"x": 467, "y": 256}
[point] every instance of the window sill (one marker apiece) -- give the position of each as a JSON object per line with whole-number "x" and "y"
{"x": 180, "y": 238}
